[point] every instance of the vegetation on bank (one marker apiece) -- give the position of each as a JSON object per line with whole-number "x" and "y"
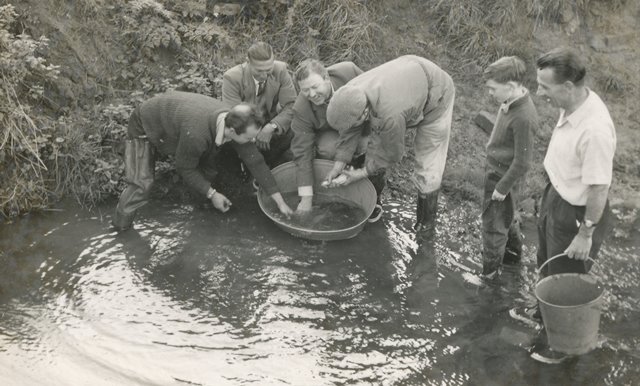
{"x": 65, "y": 98}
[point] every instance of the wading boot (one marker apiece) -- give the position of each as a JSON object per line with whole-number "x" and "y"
{"x": 378, "y": 181}
{"x": 426, "y": 211}
{"x": 139, "y": 165}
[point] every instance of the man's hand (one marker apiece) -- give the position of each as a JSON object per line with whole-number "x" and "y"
{"x": 282, "y": 205}
{"x": 497, "y": 196}
{"x": 334, "y": 172}
{"x": 263, "y": 138}
{"x": 285, "y": 210}
{"x": 305, "y": 204}
{"x": 348, "y": 176}
{"x": 580, "y": 246}
{"x": 220, "y": 202}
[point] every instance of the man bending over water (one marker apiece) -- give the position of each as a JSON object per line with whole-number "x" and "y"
{"x": 192, "y": 128}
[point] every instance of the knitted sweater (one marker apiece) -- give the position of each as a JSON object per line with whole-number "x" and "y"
{"x": 184, "y": 125}
{"x": 510, "y": 146}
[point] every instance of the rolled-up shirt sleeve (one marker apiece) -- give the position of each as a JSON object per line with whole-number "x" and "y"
{"x": 596, "y": 152}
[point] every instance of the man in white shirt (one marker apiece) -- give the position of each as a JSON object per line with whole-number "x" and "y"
{"x": 574, "y": 213}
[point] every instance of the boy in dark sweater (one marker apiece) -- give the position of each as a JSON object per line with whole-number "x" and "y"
{"x": 509, "y": 154}
{"x": 192, "y": 128}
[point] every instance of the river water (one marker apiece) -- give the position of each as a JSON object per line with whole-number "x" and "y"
{"x": 195, "y": 297}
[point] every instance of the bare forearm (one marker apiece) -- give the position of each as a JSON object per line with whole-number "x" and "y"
{"x": 596, "y": 201}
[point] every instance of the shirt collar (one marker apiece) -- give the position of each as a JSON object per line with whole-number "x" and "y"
{"x": 220, "y": 139}
{"x": 579, "y": 114}
{"x": 516, "y": 102}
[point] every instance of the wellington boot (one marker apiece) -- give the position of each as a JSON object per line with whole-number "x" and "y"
{"x": 426, "y": 211}
{"x": 139, "y": 166}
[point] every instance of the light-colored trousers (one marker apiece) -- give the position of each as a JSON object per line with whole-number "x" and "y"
{"x": 430, "y": 147}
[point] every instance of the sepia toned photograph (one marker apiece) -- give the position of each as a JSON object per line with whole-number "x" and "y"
{"x": 319, "y": 192}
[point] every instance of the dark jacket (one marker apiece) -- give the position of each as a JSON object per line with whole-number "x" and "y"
{"x": 309, "y": 119}
{"x": 238, "y": 86}
{"x": 183, "y": 124}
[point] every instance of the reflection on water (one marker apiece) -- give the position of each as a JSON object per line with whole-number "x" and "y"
{"x": 192, "y": 296}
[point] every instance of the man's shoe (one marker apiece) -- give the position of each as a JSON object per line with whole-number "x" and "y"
{"x": 530, "y": 316}
{"x": 376, "y": 214}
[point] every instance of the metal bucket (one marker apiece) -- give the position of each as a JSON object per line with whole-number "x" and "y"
{"x": 570, "y": 304}
{"x": 361, "y": 193}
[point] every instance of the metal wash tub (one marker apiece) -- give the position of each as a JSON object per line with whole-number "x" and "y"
{"x": 361, "y": 193}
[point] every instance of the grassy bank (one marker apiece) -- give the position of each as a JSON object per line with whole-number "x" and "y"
{"x": 65, "y": 99}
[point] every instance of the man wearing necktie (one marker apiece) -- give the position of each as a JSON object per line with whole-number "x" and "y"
{"x": 265, "y": 82}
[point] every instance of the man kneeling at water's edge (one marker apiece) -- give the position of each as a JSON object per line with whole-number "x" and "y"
{"x": 193, "y": 128}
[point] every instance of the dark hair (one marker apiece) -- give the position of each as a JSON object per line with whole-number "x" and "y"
{"x": 308, "y": 66}
{"x": 566, "y": 65}
{"x": 506, "y": 69}
{"x": 242, "y": 116}
{"x": 260, "y": 51}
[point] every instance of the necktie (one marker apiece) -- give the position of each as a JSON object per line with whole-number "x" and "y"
{"x": 261, "y": 87}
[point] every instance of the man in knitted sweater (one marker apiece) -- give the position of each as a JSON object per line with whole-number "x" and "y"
{"x": 509, "y": 153}
{"x": 192, "y": 128}
{"x": 266, "y": 83}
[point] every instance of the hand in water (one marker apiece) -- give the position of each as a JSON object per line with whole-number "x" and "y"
{"x": 220, "y": 202}
{"x": 285, "y": 210}
{"x": 305, "y": 204}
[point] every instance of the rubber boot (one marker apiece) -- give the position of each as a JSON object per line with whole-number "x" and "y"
{"x": 139, "y": 165}
{"x": 378, "y": 181}
{"x": 426, "y": 211}
{"x": 513, "y": 250}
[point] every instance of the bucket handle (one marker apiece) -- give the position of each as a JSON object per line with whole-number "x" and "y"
{"x": 557, "y": 256}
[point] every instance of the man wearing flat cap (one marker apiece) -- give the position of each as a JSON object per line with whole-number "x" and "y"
{"x": 407, "y": 92}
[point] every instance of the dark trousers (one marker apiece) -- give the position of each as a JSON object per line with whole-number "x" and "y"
{"x": 279, "y": 149}
{"x": 499, "y": 228}
{"x": 558, "y": 224}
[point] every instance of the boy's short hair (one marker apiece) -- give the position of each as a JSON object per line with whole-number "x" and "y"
{"x": 506, "y": 69}
{"x": 260, "y": 51}
{"x": 567, "y": 65}
{"x": 242, "y": 116}
{"x": 308, "y": 66}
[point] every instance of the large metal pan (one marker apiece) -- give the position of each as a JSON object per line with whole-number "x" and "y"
{"x": 361, "y": 193}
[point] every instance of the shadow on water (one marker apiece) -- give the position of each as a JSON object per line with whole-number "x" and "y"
{"x": 191, "y": 296}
